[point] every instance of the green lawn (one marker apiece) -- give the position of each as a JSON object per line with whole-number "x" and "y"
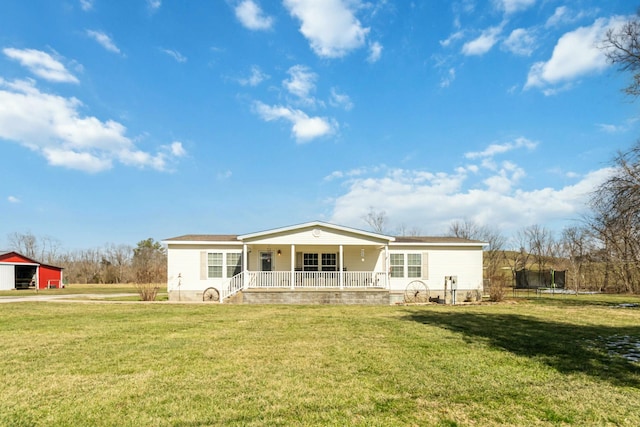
{"x": 76, "y": 289}
{"x": 542, "y": 361}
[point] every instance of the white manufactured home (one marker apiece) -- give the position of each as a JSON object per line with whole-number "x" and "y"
{"x": 317, "y": 257}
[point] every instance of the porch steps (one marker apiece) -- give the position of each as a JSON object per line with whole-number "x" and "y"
{"x": 316, "y": 296}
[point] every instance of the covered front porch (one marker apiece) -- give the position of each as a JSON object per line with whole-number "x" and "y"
{"x": 314, "y": 266}
{"x": 305, "y": 266}
{"x": 315, "y": 279}
{"x": 300, "y": 281}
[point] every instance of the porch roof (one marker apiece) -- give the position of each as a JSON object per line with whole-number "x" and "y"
{"x": 316, "y": 225}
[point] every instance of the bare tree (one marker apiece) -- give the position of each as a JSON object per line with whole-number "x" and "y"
{"x": 465, "y": 229}
{"x": 43, "y": 249}
{"x": 541, "y": 245}
{"x": 622, "y": 47}
{"x": 377, "y": 220}
{"x": 404, "y": 231}
{"x": 615, "y": 222}
{"x": 576, "y": 247}
{"x": 117, "y": 259}
{"x": 24, "y": 243}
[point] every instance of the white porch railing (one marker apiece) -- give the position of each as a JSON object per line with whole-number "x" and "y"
{"x": 317, "y": 279}
{"x": 269, "y": 279}
{"x": 234, "y": 286}
{"x": 302, "y": 279}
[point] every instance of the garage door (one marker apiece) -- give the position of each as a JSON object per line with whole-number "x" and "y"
{"x": 7, "y": 277}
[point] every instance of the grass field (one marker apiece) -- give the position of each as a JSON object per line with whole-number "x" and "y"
{"x": 542, "y": 361}
{"x": 75, "y": 289}
{"x": 87, "y": 289}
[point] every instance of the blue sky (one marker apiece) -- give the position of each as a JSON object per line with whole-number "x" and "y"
{"x": 123, "y": 120}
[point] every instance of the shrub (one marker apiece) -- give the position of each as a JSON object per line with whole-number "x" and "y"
{"x": 497, "y": 289}
{"x": 147, "y": 291}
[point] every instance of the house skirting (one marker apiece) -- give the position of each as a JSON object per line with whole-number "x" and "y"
{"x": 316, "y": 296}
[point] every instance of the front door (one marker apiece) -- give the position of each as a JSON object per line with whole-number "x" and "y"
{"x": 266, "y": 261}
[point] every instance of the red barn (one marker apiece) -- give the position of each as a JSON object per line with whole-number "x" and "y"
{"x": 19, "y": 272}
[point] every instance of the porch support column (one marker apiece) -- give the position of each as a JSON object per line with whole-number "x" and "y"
{"x": 386, "y": 266}
{"x": 340, "y": 268}
{"x": 245, "y": 266}
{"x": 293, "y": 267}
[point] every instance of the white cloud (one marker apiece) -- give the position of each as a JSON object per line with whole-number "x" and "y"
{"x": 350, "y": 173}
{"x": 54, "y": 127}
{"x": 304, "y": 128}
{"x": 431, "y": 200}
{"x": 512, "y": 6}
{"x": 452, "y": 38}
{"x": 484, "y": 42}
{"x": 224, "y": 175}
{"x": 175, "y": 55}
{"x": 340, "y": 100}
{"x": 41, "y": 64}
{"x": 86, "y": 4}
{"x": 83, "y": 161}
{"x": 375, "y": 52}
{"x": 302, "y": 83}
{"x": 608, "y": 128}
{"x": 558, "y": 17}
{"x": 13, "y": 199}
{"x": 177, "y": 149}
{"x": 563, "y": 15}
{"x": 448, "y": 78}
{"x": 252, "y": 17}
{"x": 330, "y": 25}
{"x": 104, "y": 40}
{"x": 154, "y": 5}
{"x": 575, "y": 55}
{"x": 256, "y": 77}
{"x": 495, "y": 149}
{"x": 520, "y": 42}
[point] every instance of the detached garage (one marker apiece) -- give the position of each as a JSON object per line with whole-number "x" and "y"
{"x": 19, "y": 272}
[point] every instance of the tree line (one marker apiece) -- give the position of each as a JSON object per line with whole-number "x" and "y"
{"x": 144, "y": 263}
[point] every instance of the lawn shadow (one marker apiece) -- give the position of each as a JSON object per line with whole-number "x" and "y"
{"x": 568, "y": 348}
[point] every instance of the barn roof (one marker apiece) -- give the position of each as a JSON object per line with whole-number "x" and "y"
{"x": 5, "y": 253}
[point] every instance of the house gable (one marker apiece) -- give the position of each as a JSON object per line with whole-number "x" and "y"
{"x": 316, "y": 233}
